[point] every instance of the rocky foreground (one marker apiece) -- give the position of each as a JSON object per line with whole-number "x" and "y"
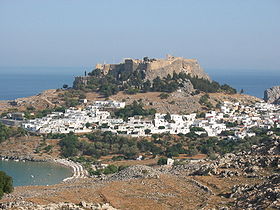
{"x": 23, "y": 205}
{"x": 248, "y": 180}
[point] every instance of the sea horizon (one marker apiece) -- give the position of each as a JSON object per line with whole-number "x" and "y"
{"x": 29, "y": 81}
{"x": 20, "y": 82}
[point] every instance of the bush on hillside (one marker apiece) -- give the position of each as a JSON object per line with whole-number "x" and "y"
{"x": 6, "y": 184}
{"x": 136, "y": 81}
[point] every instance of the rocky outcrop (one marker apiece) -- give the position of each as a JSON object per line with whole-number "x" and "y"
{"x": 135, "y": 172}
{"x": 80, "y": 81}
{"x": 272, "y": 95}
{"x": 152, "y": 68}
{"x": 255, "y": 164}
{"x": 24, "y": 205}
{"x": 163, "y": 67}
{"x": 260, "y": 196}
{"x": 187, "y": 87}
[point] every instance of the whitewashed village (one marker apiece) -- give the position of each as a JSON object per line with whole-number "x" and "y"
{"x": 234, "y": 117}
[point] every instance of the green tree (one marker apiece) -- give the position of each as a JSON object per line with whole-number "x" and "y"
{"x": 7, "y": 132}
{"x": 167, "y": 117}
{"x": 110, "y": 169}
{"x": 192, "y": 151}
{"x": 196, "y": 129}
{"x": 131, "y": 91}
{"x": 147, "y": 86}
{"x": 6, "y": 184}
{"x": 158, "y": 84}
{"x": 134, "y": 109}
{"x": 69, "y": 145}
{"x": 147, "y": 131}
{"x": 95, "y": 73}
{"x": 88, "y": 124}
{"x": 164, "y": 96}
{"x": 65, "y": 86}
{"x": 227, "y": 89}
{"x": 162, "y": 161}
{"x": 204, "y": 99}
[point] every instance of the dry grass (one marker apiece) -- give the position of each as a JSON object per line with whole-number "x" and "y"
{"x": 166, "y": 192}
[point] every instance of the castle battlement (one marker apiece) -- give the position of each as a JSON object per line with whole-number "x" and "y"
{"x": 153, "y": 67}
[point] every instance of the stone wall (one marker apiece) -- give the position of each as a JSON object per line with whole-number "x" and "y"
{"x": 163, "y": 67}
{"x": 80, "y": 81}
{"x": 157, "y": 67}
{"x": 151, "y": 67}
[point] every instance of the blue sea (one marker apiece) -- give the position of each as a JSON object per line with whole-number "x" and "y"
{"x": 16, "y": 82}
{"x": 253, "y": 82}
{"x": 34, "y": 173}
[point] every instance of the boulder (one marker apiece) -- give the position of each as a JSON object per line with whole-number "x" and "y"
{"x": 272, "y": 95}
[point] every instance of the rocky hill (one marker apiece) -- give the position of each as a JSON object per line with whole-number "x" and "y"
{"x": 180, "y": 102}
{"x": 150, "y": 75}
{"x": 272, "y": 95}
{"x": 149, "y": 69}
{"x": 156, "y": 67}
{"x": 242, "y": 180}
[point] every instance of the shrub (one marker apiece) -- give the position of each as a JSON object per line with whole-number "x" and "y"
{"x": 48, "y": 148}
{"x": 110, "y": 169}
{"x": 134, "y": 109}
{"x": 6, "y": 184}
{"x": 192, "y": 151}
{"x": 164, "y": 95}
{"x": 132, "y": 82}
{"x": 69, "y": 145}
{"x": 196, "y": 129}
{"x": 117, "y": 158}
{"x": 204, "y": 99}
{"x": 131, "y": 91}
{"x": 147, "y": 131}
{"x": 7, "y": 132}
{"x": 162, "y": 161}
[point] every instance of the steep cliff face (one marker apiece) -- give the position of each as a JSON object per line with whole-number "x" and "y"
{"x": 156, "y": 67}
{"x": 272, "y": 95}
{"x": 163, "y": 67}
{"x": 146, "y": 69}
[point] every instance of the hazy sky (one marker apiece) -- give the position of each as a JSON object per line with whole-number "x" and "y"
{"x": 221, "y": 34}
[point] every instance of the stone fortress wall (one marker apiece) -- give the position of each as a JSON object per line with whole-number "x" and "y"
{"x": 157, "y": 67}
{"x": 163, "y": 67}
{"x": 151, "y": 67}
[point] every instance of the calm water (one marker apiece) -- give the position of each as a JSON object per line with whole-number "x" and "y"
{"x": 253, "y": 82}
{"x": 34, "y": 173}
{"x": 22, "y": 81}
{"x": 18, "y": 82}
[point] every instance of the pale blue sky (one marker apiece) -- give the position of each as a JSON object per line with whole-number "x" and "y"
{"x": 221, "y": 34}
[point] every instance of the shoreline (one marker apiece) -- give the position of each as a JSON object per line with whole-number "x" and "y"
{"x": 42, "y": 92}
{"x": 78, "y": 171}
